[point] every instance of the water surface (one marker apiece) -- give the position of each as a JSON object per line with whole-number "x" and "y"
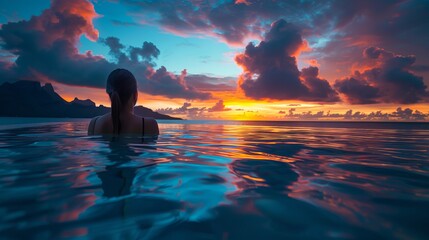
{"x": 217, "y": 180}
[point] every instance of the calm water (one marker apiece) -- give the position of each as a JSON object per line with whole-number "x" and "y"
{"x": 217, "y": 180}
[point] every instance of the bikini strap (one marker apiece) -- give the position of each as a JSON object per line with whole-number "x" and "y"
{"x": 142, "y": 126}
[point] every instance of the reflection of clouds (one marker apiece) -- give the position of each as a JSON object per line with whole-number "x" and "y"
{"x": 208, "y": 180}
{"x": 198, "y": 176}
{"x": 276, "y": 176}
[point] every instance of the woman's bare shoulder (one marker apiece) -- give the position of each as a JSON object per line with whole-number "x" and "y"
{"x": 96, "y": 121}
{"x": 91, "y": 126}
{"x": 151, "y": 126}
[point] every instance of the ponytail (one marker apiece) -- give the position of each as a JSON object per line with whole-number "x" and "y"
{"x": 116, "y": 110}
{"x": 121, "y": 86}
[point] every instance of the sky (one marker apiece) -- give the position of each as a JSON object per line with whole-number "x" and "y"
{"x": 237, "y": 59}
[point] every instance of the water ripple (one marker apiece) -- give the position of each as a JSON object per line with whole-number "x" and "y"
{"x": 217, "y": 181}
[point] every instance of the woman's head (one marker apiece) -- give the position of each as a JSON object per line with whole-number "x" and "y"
{"x": 122, "y": 89}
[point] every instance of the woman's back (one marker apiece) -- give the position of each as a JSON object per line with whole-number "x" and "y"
{"x": 130, "y": 125}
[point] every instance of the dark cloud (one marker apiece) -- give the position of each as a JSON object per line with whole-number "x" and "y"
{"x": 270, "y": 70}
{"x": 373, "y": 52}
{"x": 390, "y": 81}
{"x": 147, "y": 51}
{"x": 319, "y": 89}
{"x": 185, "y": 109}
{"x": 337, "y": 30}
{"x": 408, "y": 114}
{"x": 174, "y": 85}
{"x": 156, "y": 81}
{"x": 114, "y": 44}
{"x": 219, "y": 107}
{"x": 357, "y": 91}
{"x": 399, "y": 114}
{"x": 391, "y": 20}
{"x": 393, "y": 24}
{"x": 211, "y": 84}
{"x": 195, "y": 112}
{"x": 45, "y": 44}
{"x": 45, "y": 49}
{"x": 232, "y": 22}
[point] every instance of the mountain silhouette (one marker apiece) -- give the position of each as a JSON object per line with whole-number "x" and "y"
{"x": 27, "y": 98}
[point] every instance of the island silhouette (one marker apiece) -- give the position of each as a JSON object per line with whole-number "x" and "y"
{"x": 27, "y": 98}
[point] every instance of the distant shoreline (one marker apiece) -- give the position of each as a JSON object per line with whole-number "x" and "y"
{"x": 22, "y": 122}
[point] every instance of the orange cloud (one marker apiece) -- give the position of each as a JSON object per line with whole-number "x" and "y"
{"x": 82, "y": 8}
{"x": 242, "y": 2}
{"x": 304, "y": 47}
{"x": 313, "y": 62}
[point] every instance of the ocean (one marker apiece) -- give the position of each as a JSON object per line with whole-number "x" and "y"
{"x": 215, "y": 180}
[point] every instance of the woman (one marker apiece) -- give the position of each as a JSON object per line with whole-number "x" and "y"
{"x": 122, "y": 89}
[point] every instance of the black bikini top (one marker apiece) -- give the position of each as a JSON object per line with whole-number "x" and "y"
{"x": 142, "y": 126}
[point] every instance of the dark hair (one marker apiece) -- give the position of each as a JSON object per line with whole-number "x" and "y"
{"x": 121, "y": 85}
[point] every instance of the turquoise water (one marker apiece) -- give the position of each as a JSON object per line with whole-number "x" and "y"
{"x": 217, "y": 180}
